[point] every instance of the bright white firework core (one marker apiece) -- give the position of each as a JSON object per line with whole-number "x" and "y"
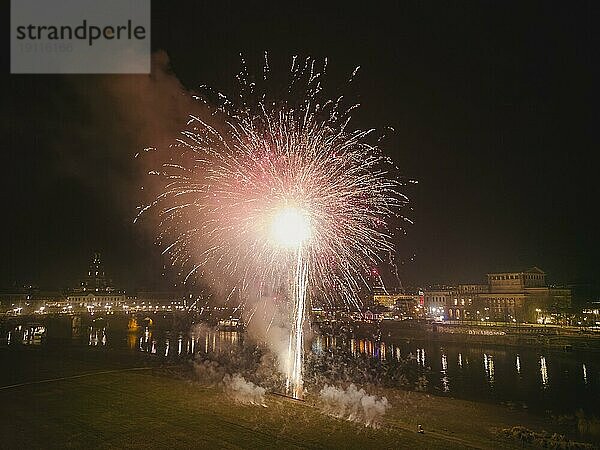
{"x": 290, "y": 227}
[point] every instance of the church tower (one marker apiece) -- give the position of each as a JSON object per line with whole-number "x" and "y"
{"x": 96, "y": 278}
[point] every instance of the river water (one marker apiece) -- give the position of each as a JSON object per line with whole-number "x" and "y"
{"x": 556, "y": 381}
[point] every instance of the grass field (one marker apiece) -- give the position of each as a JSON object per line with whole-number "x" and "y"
{"x": 96, "y": 400}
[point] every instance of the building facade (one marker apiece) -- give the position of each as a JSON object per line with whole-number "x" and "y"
{"x": 95, "y": 292}
{"x": 506, "y": 297}
{"x": 435, "y": 302}
{"x": 401, "y": 306}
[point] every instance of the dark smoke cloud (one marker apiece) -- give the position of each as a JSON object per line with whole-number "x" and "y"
{"x": 126, "y": 114}
{"x": 98, "y": 123}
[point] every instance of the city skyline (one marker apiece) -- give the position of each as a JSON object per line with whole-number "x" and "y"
{"x": 490, "y": 111}
{"x": 97, "y": 278}
{"x": 297, "y": 224}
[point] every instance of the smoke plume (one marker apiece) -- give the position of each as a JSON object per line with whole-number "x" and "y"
{"x": 242, "y": 391}
{"x": 235, "y": 386}
{"x": 354, "y": 405}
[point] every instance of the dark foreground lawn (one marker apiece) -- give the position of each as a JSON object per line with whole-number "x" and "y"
{"x": 92, "y": 399}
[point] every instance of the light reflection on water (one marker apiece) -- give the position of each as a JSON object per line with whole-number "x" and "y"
{"x": 210, "y": 341}
{"x": 488, "y": 364}
{"x": 499, "y": 374}
{"x": 544, "y": 372}
{"x": 445, "y": 379}
{"x": 97, "y": 336}
{"x": 33, "y": 334}
{"x": 421, "y": 356}
{"x": 379, "y": 350}
{"x": 517, "y": 375}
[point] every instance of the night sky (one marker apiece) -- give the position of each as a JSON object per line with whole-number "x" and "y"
{"x": 491, "y": 102}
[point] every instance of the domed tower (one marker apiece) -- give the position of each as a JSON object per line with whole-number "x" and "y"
{"x": 96, "y": 278}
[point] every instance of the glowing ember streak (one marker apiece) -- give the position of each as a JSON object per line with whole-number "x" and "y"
{"x": 294, "y": 384}
{"x": 278, "y": 191}
{"x": 291, "y": 228}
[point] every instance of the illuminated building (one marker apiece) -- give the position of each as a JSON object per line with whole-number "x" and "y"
{"x": 507, "y": 297}
{"x": 435, "y": 301}
{"x": 96, "y": 278}
{"x": 388, "y": 300}
{"x": 95, "y": 292}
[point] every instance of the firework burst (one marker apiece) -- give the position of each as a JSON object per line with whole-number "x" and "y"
{"x": 278, "y": 192}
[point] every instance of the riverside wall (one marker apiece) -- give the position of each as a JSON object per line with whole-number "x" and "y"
{"x": 503, "y": 335}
